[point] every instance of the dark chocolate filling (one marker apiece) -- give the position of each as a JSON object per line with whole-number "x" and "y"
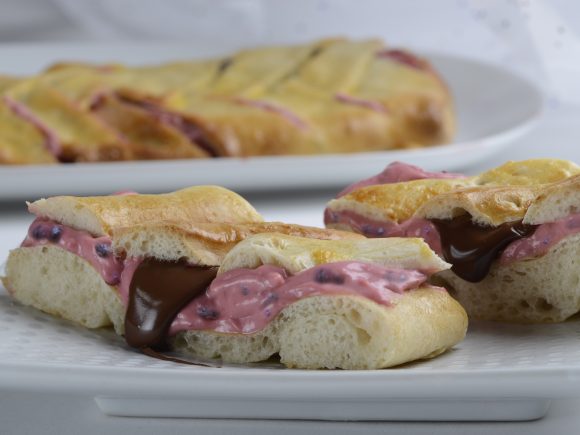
{"x": 159, "y": 290}
{"x": 472, "y": 248}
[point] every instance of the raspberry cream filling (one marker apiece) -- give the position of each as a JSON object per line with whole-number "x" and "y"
{"x": 414, "y": 227}
{"x": 535, "y": 245}
{"x": 96, "y": 250}
{"x": 247, "y": 300}
{"x": 241, "y": 300}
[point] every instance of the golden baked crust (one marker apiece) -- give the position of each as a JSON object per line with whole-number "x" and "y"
{"x": 487, "y": 205}
{"x": 205, "y": 243}
{"x": 336, "y": 101}
{"x": 396, "y": 201}
{"x": 299, "y": 253}
{"x": 101, "y": 215}
{"x": 499, "y": 195}
{"x": 529, "y": 172}
{"x": 330, "y": 96}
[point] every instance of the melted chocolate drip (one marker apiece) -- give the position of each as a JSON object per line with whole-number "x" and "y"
{"x": 472, "y": 248}
{"x": 159, "y": 291}
{"x": 154, "y": 354}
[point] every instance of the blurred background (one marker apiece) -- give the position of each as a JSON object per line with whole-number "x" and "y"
{"x": 538, "y": 39}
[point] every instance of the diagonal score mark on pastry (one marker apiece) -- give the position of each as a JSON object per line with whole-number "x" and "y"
{"x": 250, "y": 73}
{"x": 22, "y": 141}
{"x": 366, "y": 287}
{"x": 151, "y": 130}
{"x": 487, "y": 229}
{"x": 51, "y": 141}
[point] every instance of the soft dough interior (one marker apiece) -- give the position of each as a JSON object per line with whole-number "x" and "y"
{"x": 63, "y": 284}
{"x": 346, "y": 332}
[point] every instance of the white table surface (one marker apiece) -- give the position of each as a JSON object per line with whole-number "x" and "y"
{"x": 557, "y": 135}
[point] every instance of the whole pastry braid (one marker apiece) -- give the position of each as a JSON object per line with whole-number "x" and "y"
{"x": 512, "y": 233}
{"x": 330, "y": 96}
{"x": 199, "y": 271}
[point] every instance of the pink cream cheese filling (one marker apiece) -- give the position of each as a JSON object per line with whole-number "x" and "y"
{"x": 535, "y": 245}
{"x": 96, "y": 250}
{"x": 540, "y": 242}
{"x": 398, "y": 172}
{"x": 241, "y": 300}
{"x": 414, "y": 227}
{"x": 247, "y": 300}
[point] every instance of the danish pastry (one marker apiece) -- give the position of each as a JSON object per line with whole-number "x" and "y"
{"x": 198, "y": 270}
{"x": 510, "y": 233}
{"x": 330, "y": 96}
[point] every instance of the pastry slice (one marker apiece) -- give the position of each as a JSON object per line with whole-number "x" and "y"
{"x": 148, "y": 265}
{"x": 510, "y": 233}
{"x": 69, "y": 263}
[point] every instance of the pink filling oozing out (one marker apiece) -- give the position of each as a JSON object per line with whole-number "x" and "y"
{"x": 96, "y": 250}
{"x": 540, "y": 242}
{"x": 51, "y": 142}
{"x": 535, "y": 245}
{"x": 398, "y": 172}
{"x": 414, "y": 227}
{"x": 246, "y": 300}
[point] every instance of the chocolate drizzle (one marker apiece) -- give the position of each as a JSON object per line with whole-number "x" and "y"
{"x": 472, "y": 248}
{"x": 159, "y": 291}
{"x": 154, "y": 354}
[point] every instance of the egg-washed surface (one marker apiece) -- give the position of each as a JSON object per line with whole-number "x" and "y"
{"x": 267, "y": 101}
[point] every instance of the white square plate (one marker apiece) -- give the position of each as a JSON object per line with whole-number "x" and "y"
{"x": 499, "y": 372}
